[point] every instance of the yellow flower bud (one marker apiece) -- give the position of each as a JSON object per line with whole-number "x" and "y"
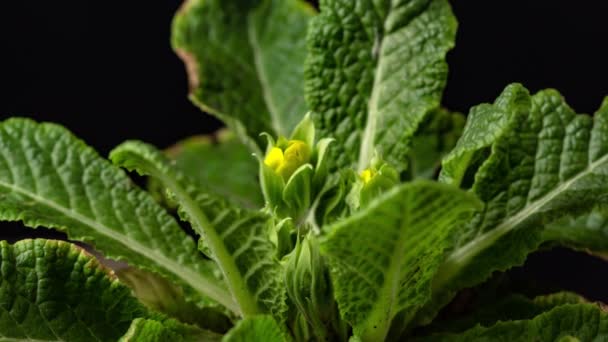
{"x": 274, "y": 158}
{"x": 297, "y": 152}
{"x": 367, "y": 175}
{"x": 286, "y": 162}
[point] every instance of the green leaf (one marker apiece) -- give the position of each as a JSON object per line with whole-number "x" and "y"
{"x": 375, "y": 69}
{"x": 512, "y": 308}
{"x": 256, "y": 329}
{"x": 50, "y": 178}
{"x": 245, "y": 61}
{"x": 161, "y": 295}
{"x": 151, "y": 330}
{"x": 237, "y": 240}
{"x": 222, "y": 165}
{"x": 435, "y": 138}
{"x": 383, "y": 258}
{"x": 538, "y": 162}
{"x": 485, "y": 123}
{"x": 55, "y": 291}
{"x": 584, "y": 322}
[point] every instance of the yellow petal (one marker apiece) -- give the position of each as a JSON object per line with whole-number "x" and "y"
{"x": 297, "y": 153}
{"x": 274, "y": 158}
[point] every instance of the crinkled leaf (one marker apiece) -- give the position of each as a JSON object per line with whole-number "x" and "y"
{"x": 374, "y": 70}
{"x": 222, "y": 165}
{"x": 245, "y": 61}
{"x": 151, "y": 330}
{"x": 512, "y": 308}
{"x": 50, "y": 178}
{"x": 55, "y": 291}
{"x": 533, "y": 161}
{"x": 570, "y": 322}
{"x": 383, "y": 258}
{"x": 256, "y": 329}
{"x": 237, "y": 240}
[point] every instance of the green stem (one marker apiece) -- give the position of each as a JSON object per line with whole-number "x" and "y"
{"x": 236, "y": 284}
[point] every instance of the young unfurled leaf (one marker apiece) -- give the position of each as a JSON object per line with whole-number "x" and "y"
{"x": 374, "y": 70}
{"x": 237, "y": 240}
{"x": 50, "y": 178}
{"x": 55, "y": 291}
{"x": 245, "y": 62}
{"x": 533, "y": 161}
{"x": 383, "y": 258}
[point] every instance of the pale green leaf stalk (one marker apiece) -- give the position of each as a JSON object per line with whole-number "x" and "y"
{"x": 238, "y": 241}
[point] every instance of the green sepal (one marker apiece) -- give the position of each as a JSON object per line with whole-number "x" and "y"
{"x": 272, "y": 185}
{"x": 283, "y": 237}
{"x": 321, "y": 164}
{"x": 305, "y": 131}
{"x": 297, "y": 193}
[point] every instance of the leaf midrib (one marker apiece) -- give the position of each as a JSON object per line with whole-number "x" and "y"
{"x": 193, "y": 279}
{"x": 245, "y": 303}
{"x": 376, "y": 323}
{"x": 367, "y": 141}
{"x": 264, "y": 82}
{"x": 462, "y": 256}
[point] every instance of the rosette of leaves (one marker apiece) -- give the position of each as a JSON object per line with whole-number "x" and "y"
{"x": 366, "y": 241}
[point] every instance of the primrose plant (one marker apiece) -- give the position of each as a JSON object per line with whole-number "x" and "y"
{"x": 341, "y": 203}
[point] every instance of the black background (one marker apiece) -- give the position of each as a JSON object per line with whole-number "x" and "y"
{"x": 105, "y": 70}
